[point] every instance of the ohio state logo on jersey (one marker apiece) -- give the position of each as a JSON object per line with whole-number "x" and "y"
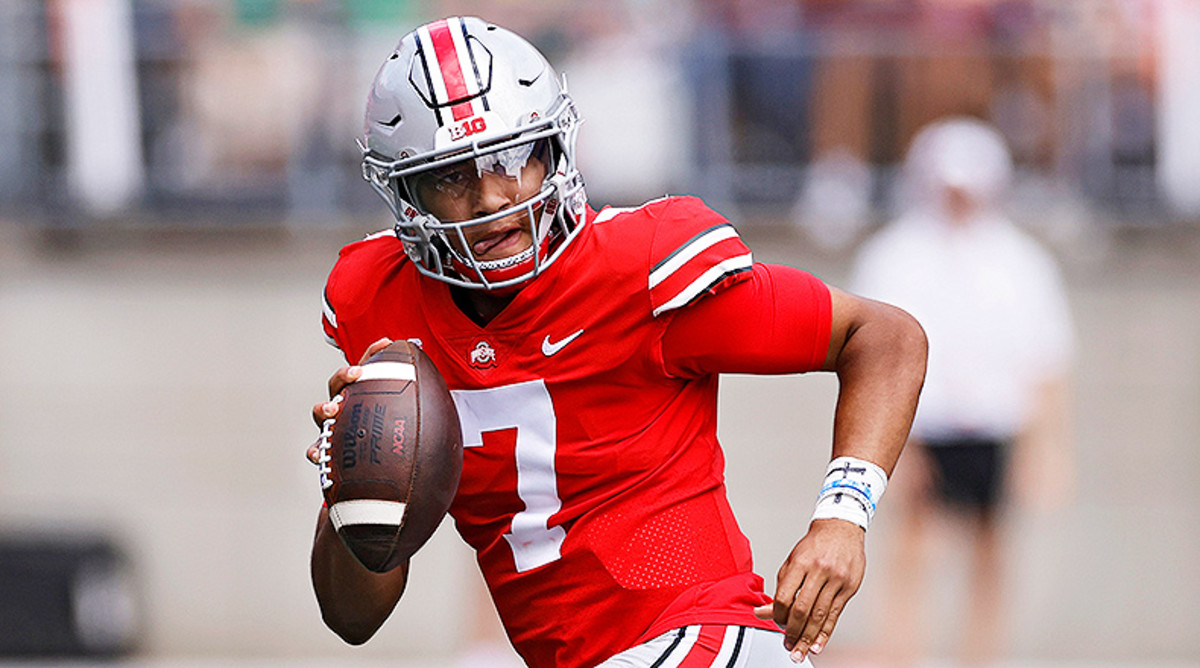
{"x": 483, "y": 356}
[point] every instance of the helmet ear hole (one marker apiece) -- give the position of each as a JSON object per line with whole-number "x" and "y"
{"x": 440, "y": 247}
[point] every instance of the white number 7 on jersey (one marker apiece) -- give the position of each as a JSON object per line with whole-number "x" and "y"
{"x": 527, "y": 408}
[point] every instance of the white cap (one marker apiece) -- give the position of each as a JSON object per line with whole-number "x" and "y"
{"x": 958, "y": 152}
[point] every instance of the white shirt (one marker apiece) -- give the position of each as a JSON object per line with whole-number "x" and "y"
{"x": 994, "y": 310}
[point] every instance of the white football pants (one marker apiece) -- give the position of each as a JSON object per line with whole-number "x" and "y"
{"x": 708, "y": 646}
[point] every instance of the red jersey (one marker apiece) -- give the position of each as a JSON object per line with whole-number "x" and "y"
{"x": 593, "y": 484}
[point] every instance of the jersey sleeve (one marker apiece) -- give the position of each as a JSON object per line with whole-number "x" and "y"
{"x": 350, "y": 291}
{"x": 695, "y": 252}
{"x": 776, "y": 321}
{"x": 329, "y": 321}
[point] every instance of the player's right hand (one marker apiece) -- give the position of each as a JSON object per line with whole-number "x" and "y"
{"x": 324, "y": 410}
{"x": 822, "y": 573}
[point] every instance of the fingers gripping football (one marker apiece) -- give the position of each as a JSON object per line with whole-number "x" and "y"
{"x": 390, "y": 454}
{"x": 327, "y": 410}
{"x": 324, "y": 413}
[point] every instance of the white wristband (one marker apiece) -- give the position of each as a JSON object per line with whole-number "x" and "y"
{"x": 851, "y": 491}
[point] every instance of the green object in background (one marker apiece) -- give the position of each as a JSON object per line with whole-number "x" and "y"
{"x": 382, "y": 12}
{"x": 260, "y": 13}
{"x": 255, "y": 13}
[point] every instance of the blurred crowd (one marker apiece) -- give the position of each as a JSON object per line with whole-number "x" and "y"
{"x": 248, "y": 109}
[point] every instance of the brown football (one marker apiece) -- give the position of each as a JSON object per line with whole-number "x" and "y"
{"x": 391, "y": 460}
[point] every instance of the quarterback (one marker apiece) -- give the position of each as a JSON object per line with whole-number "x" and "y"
{"x": 582, "y": 347}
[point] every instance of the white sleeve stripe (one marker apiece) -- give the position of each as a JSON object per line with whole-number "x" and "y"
{"x": 388, "y": 371}
{"x": 693, "y": 248}
{"x": 327, "y": 310}
{"x": 706, "y": 281}
{"x": 366, "y": 511}
{"x": 331, "y": 341}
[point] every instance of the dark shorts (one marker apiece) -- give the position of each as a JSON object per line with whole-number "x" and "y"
{"x": 969, "y": 472}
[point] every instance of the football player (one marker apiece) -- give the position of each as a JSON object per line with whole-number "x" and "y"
{"x": 582, "y": 348}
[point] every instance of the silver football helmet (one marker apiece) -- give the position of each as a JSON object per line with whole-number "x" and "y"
{"x": 459, "y": 91}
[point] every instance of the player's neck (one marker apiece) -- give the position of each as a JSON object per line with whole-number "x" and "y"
{"x": 478, "y": 305}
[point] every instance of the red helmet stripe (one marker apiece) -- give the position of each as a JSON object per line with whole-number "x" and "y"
{"x": 453, "y": 75}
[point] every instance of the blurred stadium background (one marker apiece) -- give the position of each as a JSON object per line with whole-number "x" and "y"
{"x": 176, "y": 177}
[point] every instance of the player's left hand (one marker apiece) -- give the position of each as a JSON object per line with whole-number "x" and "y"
{"x": 820, "y": 575}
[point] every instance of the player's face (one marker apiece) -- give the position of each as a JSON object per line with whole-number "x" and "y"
{"x": 478, "y": 187}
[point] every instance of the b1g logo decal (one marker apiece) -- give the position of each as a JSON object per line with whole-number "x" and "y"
{"x": 467, "y": 128}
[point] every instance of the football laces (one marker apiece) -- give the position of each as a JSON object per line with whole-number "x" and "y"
{"x": 323, "y": 457}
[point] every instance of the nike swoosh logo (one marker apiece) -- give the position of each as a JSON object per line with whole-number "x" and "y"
{"x": 549, "y": 348}
{"x": 529, "y": 82}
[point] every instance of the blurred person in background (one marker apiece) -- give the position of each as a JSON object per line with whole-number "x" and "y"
{"x": 1000, "y": 347}
{"x": 593, "y": 340}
